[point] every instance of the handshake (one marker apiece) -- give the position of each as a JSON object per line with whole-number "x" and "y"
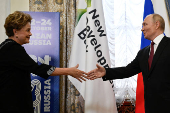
{"x": 93, "y": 74}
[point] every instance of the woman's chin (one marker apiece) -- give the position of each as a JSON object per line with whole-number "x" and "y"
{"x": 27, "y": 42}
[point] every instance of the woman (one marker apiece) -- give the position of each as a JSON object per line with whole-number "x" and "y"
{"x": 16, "y": 66}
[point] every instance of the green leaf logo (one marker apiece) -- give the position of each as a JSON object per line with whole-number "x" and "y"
{"x": 80, "y": 12}
{"x": 88, "y": 3}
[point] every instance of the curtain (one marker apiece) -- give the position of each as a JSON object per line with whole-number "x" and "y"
{"x": 168, "y": 7}
{"x": 123, "y": 24}
{"x": 4, "y": 11}
{"x": 70, "y": 99}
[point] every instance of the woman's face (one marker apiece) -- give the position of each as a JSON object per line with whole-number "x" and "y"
{"x": 23, "y": 35}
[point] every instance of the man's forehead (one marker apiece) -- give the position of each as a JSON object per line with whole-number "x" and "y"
{"x": 145, "y": 21}
{"x": 148, "y": 19}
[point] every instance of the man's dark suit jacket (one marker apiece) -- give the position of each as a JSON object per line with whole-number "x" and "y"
{"x": 156, "y": 80}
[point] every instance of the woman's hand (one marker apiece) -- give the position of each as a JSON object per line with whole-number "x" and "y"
{"x": 78, "y": 74}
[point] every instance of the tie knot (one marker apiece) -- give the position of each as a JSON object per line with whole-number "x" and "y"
{"x": 152, "y": 43}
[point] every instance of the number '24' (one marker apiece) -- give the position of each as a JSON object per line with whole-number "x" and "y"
{"x": 42, "y": 22}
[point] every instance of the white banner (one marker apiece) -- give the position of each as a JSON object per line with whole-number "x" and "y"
{"x": 90, "y": 46}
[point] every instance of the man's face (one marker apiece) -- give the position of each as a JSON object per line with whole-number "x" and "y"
{"x": 149, "y": 27}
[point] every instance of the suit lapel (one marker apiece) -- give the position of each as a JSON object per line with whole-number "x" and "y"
{"x": 158, "y": 52}
{"x": 145, "y": 61}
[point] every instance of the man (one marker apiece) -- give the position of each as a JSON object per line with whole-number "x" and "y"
{"x": 154, "y": 63}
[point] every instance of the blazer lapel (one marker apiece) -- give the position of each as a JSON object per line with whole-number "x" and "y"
{"x": 158, "y": 52}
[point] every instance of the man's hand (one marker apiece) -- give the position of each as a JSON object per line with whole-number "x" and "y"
{"x": 96, "y": 73}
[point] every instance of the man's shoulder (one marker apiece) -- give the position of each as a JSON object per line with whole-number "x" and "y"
{"x": 166, "y": 37}
{"x": 165, "y": 40}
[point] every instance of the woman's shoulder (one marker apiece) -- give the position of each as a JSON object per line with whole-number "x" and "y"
{"x": 9, "y": 44}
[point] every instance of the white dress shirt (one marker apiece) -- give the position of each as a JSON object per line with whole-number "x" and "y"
{"x": 156, "y": 41}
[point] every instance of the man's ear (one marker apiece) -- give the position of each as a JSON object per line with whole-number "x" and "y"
{"x": 157, "y": 24}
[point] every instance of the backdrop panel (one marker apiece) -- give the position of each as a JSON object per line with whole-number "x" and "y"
{"x": 44, "y": 48}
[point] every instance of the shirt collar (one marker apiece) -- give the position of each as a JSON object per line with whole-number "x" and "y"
{"x": 158, "y": 39}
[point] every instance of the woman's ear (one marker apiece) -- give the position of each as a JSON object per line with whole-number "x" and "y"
{"x": 15, "y": 33}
